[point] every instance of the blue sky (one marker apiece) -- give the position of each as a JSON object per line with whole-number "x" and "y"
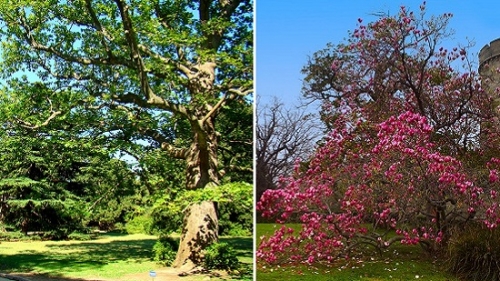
{"x": 287, "y": 32}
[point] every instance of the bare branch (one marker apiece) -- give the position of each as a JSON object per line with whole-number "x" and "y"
{"x": 28, "y": 125}
{"x": 282, "y": 136}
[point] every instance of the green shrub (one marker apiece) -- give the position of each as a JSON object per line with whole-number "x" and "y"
{"x": 236, "y": 215}
{"x": 238, "y": 230}
{"x": 119, "y": 228}
{"x": 56, "y": 234}
{"x": 11, "y": 236}
{"x": 139, "y": 225}
{"x": 34, "y": 238}
{"x": 234, "y": 209}
{"x": 78, "y": 236}
{"x": 474, "y": 254}
{"x": 220, "y": 256}
{"x": 164, "y": 250}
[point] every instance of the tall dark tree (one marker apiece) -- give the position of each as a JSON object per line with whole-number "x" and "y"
{"x": 136, "y": 65}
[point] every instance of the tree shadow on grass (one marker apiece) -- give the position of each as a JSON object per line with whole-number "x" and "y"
{"x": 67, "y": 256}
{"x": 46, "y": 277}
{"x": 130, "y": 250}
{"x": 242, "y": 245}
{"x": 30, "y": 261}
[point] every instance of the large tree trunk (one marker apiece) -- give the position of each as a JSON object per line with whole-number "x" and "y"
{"x": 200, "y": 229}
{"x": 200, "y": 225}
{"x": 201, "y": 158}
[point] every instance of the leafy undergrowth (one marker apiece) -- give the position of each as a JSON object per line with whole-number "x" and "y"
{"x": 112, "y": 257}
{"x": 399, "y": 262}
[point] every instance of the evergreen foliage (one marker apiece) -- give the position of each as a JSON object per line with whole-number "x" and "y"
{"x": 235, "y": 203}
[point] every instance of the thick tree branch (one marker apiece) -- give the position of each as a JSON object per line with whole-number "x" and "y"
{"x": 30, "y": 38}
{"x": 240, "y": 92}
{"x": 183, "y": 68}
{"x": 158, "y": 103}
{"x": 135, "y": 55}
{"x": 213, "y": 110}
{"x": 234, "y": 93}
{"x": 175, "y": 152}
{"x": 53, "y": 114}
{"x": 228, "y": 7}
{"x": 97, "y": 23}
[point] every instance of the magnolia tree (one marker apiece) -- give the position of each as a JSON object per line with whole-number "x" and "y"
{"x": 359, "y": 186}
{"x": 405, "y": 131}
{"x": 396, "y": 64}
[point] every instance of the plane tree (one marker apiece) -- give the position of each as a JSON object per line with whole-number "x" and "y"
{"x": 133, "y": 65}
{"x": 283, "y": 135}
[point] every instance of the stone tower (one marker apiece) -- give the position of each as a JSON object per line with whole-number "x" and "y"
{"x": 489, "y": 69}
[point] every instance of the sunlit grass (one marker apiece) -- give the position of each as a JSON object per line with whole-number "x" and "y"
{"x": 110, "y": 256}
{"x": 400, "y": 262}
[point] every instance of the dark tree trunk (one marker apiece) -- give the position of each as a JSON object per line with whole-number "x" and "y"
{"x": 200, "y": 224}
{"x": 201, "y": 158}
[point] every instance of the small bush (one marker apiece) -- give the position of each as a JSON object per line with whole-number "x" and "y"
{"x": 56, "y": 234}
{"x": 238, "y": 230}
{"x": 220, "y": 256}
{"x": 165, "y": 250}
{"x": 474, "y": 254}
{"x": 78, "y": 236}
{"x": 11, "y": 236}
{"x": 139, "y": 225}
{"x": 34, "y": 238}
{"x": 119, "y": 228}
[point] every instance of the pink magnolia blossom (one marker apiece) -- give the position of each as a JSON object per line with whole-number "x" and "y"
{"x": 402, "y": 119}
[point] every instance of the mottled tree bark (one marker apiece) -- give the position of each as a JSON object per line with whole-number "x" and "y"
{"x": 200, "y": 230}
{"x": 200, "y": 225}
{"x": 201, "y": 157}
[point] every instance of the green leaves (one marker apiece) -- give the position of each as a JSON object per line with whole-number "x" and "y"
{"x": 168, "y": 212}
{"x": 232, "y": 192}
{"x": 89, "y": 81}
{"x": 17, "y": 182}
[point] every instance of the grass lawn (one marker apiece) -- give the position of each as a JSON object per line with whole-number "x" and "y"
{"x": 400, "y": 263}
{"x": 111, "y": 257}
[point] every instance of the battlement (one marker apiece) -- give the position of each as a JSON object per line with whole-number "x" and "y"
{"x": 489, "y": 51}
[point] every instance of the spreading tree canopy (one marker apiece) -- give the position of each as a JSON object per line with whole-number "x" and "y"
{"x": 131, "y": 71}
